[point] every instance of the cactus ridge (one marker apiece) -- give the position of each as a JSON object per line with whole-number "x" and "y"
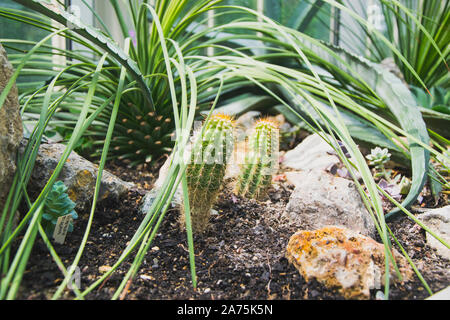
{"x": 206, "y": 171}
{"x": 260, "y": 162}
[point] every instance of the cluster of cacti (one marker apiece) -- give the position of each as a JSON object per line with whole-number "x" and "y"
{"x": 210, "y": 155}
{"x": 205, "y": 173}
{"x": 57, "y": 204}
{"x": 261, "y": 161}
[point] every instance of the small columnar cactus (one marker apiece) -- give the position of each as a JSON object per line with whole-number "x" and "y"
{"x": 211, "y": 152}
{"x": 261, "y": 161}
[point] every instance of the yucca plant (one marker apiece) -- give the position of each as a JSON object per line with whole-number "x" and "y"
{"x": 261, "y": 160}
{"x": 417, "y": 49}
{"x": 417, "y": 30}
{"x": 206, "y": 171}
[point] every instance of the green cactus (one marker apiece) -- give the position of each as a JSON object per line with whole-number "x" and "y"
{"x": 206, "y": 170}
{"x": 57, "y": 204}
{"x": 260, "y": 162}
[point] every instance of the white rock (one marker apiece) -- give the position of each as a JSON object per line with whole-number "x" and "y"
{"x": 311, "y": 153}
{"x": 321, "y": 199}
{"x": 177, "y": 199}
{"x": 441, "y": 295}
{"x": 438, "y": 220}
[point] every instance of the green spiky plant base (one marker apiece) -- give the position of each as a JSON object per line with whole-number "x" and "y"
{"x": 205, "y": 173}
{"x": 261, "y": 161}
{"x": 142, "y": 137}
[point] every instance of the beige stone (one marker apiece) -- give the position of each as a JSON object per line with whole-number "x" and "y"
{"x": 321, "y": 199}
{"x": 343, "y": 259}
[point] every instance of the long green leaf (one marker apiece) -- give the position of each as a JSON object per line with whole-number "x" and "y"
{"x": 97, "y": 38}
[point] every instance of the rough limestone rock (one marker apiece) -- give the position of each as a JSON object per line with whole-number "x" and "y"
{"x": 321, "y": 199}
{"x": 344, "y": 260}
{"x": 441, "y": 295}
{"x": 78, "y": 174}
{"x": 312, "y": 153}
{"x": 11, "y": 130}
{"x": 150, "y": 196}
{"x": 438, "y": 220}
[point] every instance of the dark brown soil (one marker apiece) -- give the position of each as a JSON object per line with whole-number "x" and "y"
{"x": 241, "y": 256}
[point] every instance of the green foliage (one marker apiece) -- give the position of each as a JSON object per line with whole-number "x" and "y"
{"x": 205, "y": 172}
{"x": 261, "y": 161}
{"x": 57, "y": 204}
{"x": 418, "y": 30}
{"x": 309, "y": 16}
{"x": 437, "y": 100}
{"x": 145, "y": 122}
{"x": 168, "y": 76}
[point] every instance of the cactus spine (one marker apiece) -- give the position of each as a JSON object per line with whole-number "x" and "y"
{"x": 206, "y": 170}
{"x": 261, "y": 161}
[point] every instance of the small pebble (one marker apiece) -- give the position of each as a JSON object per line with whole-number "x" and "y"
{"x": 379, "y": 295}
{"x": 104, "y": 269}
{"x": 147, "y": 277}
